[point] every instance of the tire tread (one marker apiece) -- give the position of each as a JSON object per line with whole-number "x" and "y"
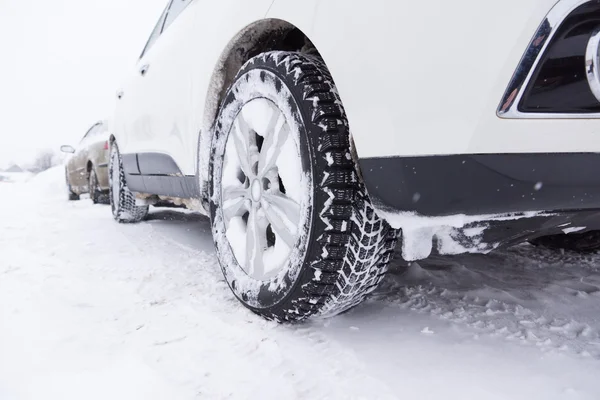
{"x": 126, "y": 212}
{"x": 357, "y": 245}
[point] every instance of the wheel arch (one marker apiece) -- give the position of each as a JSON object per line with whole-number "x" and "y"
{"x": 258, "y": 37}
{"x": 269, "y": 34}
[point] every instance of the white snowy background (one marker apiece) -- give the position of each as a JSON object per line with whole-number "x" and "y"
{"x": 62, "y": 63}
{"x": 90, "y": 309}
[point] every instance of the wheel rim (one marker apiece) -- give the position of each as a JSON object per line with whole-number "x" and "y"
{"x": 260, "y": 189}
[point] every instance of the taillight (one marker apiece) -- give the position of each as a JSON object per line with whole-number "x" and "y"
{"x": 106, "y": 147}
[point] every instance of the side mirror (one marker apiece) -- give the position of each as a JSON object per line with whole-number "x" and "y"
{"x": 67, "y": 149}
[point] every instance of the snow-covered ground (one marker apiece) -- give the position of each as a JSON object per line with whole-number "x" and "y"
{"x": 90, "y": 309}
{"x": 14, "y": 177}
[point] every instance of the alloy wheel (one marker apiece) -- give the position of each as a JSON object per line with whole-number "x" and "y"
{"x": 260, "y": 189}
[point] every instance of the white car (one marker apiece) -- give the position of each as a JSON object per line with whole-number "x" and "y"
{"x": 317, "y": 133}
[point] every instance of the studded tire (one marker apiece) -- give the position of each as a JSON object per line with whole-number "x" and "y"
{"x": 122, "y": 200}
{"x": 347, "y": 247}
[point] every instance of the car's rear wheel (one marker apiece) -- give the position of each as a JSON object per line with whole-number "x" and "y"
{"x": 579, "y": 242}
{"x": 95, "y": 192}
{"x": 295, "y": 231}
{"x": 122, "y": 200}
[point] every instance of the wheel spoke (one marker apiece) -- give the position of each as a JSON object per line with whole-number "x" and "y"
{"x": 277, "y": 119}
{"x": 285, "y": 206}
{"x": 254, "y": 202}
{"x": 283, "y": 214}
{"x": 234, "y": 199}
{"x": 246, "y": 150}
{"x": 276, "y": 135}
{"x": 256, "y": 242}
{"x": 233, "y": 192}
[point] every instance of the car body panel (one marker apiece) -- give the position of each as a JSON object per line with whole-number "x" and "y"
{"x": 431, "y": 75}
{"x": 434, "y": 88}
{"x": 91, "y": 150}
{"x": 417, "y": 79}
{"x": 163, "y": 110}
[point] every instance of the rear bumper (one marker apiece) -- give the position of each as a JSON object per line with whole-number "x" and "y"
{"x": 484, "y": 184}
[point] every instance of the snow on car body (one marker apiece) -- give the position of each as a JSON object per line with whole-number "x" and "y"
{"x": 460, "y": 112}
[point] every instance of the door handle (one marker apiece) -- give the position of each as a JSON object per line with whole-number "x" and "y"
{"x": 144, "y": 69}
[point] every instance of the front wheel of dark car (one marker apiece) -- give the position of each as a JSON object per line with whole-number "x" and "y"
{"x": 122, "y": 200}
{"x": 295, "y": 231}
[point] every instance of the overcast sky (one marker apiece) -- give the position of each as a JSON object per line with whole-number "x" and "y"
{"x": 61, "y": 63}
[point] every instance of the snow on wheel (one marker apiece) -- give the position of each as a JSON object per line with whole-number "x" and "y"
{"x": 122, "y": 200}
{"x": 295, "y": 232}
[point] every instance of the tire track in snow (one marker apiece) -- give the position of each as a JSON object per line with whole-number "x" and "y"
{"x": 519, "y": 297}
{"x": 496, "y": 318}
{"x": 196, "y": 278}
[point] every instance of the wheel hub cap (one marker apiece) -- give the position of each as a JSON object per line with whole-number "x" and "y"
{"x": 256, "y": 191}
{"x": 261, "y": 194}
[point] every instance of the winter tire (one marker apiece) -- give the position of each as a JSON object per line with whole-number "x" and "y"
{"x": 95, "y": 192}
{"x": 579, "y": 242}
{"x": 122, "y": 201}
{"x": 295, "y": 232}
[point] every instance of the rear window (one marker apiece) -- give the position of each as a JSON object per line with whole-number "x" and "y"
{"x": 95, "y": 131}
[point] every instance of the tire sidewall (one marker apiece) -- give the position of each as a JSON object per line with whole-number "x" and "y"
{"x": 114, "y": 172}
{"x": 265, "y": 80}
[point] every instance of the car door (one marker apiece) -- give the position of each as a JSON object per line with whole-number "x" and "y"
{"x": 178, "y": 71}
{"x": 131, "y": 106}
{"x": 147, "y": 100}
{"x": 168, "y": 87}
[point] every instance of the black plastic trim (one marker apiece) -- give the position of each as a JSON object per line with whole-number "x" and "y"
{"x": 130, "y": 164}
{"x": 157, "y": 164}
{"x": 135, "y": 183}
{"x": 484, "y": 184}
{"x": 157, "y": 173}
{"x": 173, "y": 186}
